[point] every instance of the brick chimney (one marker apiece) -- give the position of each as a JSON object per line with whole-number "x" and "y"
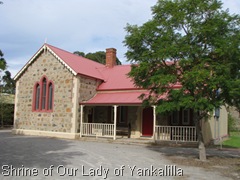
{"x": 111, "y": 57}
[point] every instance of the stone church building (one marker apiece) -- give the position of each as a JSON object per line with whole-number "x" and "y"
{"x": 60, "y": 94}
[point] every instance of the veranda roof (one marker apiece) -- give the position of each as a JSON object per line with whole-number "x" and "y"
{"x": 117, "y": 98}
{"x": 108, "y": 98}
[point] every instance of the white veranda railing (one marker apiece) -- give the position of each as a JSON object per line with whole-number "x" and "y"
{"x": 176, "y": 133}
{"x": 98, "y": 129}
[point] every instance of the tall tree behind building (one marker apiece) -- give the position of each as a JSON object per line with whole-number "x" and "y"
{"x": 7, "y": 89}
{"x": 99, "y": 56}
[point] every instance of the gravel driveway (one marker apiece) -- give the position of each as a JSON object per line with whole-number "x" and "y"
{"x": 29, "y": 157}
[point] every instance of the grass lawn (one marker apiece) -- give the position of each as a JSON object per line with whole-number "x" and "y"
{"x": 233, "y": 141}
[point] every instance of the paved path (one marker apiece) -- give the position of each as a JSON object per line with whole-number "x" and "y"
{"x": 28, "y": 157}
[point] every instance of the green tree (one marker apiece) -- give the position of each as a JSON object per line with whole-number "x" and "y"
{"x": 3, "y": 65}
{"x": 192, "y": 43}
{"x": 79, "y": 53}
{"x": 7, "y": 88}
{"x": 9, "y": 83}
{"x": 98, "y": 56}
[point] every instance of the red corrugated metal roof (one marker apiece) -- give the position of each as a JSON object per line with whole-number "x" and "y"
{"x": 118, "y": 98}
{"x": 116, "y": 78}
{"x": 79, "y": 64}
{"x": 115, "y": 98}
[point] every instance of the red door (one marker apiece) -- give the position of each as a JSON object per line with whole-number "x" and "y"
{"x": 147, "y": 122}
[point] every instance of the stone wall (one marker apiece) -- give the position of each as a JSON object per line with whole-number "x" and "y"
{"x": 135, "y": 117}
{"x": 60, "y": 119}
{"x": 87, "y": 89}
{"x": 132, "y": 117}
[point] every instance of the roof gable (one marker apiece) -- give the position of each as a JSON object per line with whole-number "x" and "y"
{"x": 76, "y": 64}
{"x": 79, "y": 64}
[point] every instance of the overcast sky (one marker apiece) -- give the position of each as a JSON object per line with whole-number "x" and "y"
{"x": 72, "y": 25}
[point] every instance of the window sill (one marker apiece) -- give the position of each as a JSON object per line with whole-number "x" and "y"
{"x": 43, "y": 111}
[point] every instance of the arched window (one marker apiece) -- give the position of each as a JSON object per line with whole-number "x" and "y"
{"x": 43, "y": 95}
{"x": 37, "y": 97}
{"x": 50, "y": 96}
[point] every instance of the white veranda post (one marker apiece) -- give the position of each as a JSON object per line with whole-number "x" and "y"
{"x": 115, "y": 121}
{"x": 154, "y": 121}
{"x": 81, "y": 120}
